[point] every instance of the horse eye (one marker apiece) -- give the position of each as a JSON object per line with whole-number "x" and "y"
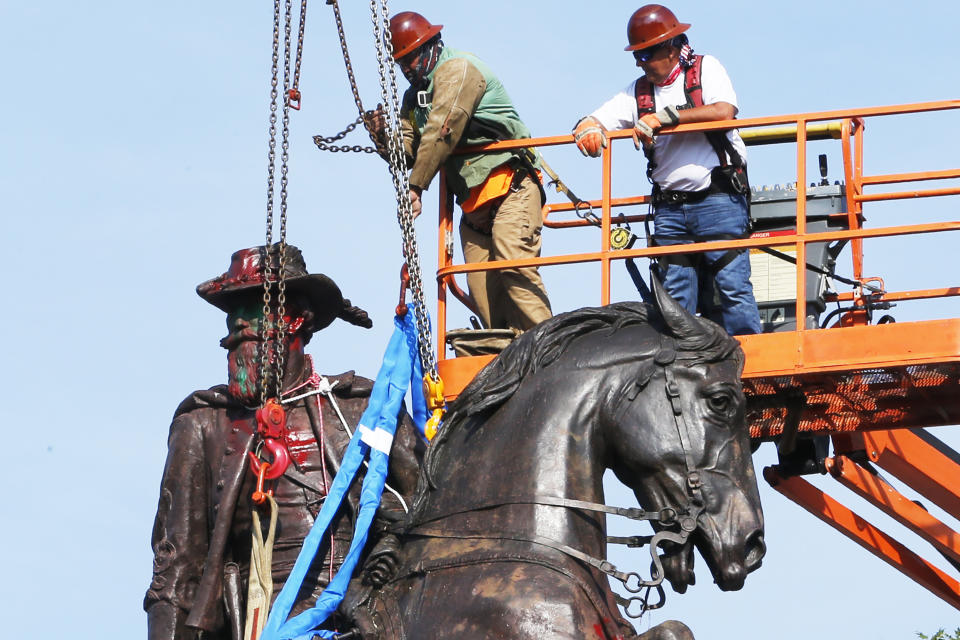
{"x": 720, "y": 402}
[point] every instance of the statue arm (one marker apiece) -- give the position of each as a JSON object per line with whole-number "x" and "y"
{"x": 180, "y": 537}
{"x": 405, "y": 458}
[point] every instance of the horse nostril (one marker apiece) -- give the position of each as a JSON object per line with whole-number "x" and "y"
{"x": 754, "y": 549}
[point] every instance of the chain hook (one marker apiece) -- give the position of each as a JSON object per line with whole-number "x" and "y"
{"x": 436, "y": 404}
{"x": 275, "y": 469}
{"x": 271, "y": 423}
{"x": 404, "y": 283}
{"x": 293, "y": 99}
{"x": 259, "y": 495}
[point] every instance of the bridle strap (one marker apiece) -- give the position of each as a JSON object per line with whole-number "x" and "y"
{"x": 665, "y": 516}
{"x": 630, "y": 580}
{"x": 601, "y": 565}
{"x": 665, "y": 357}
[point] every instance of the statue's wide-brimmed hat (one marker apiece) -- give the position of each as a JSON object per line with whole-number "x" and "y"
{"x": 245, "y": 276}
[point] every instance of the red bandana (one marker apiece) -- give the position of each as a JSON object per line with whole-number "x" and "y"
{"x": 673, "y": 76}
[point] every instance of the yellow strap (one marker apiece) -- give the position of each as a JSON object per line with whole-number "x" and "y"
{"x": 260, "y": 590}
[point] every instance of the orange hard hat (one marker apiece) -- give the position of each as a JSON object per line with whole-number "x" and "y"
{"x": 652, "y": 24}
{"x": 409, "y": 30}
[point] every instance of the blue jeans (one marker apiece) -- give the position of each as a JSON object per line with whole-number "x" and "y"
{"x": 684, "y": 277}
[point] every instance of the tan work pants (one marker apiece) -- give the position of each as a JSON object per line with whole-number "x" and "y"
{"x": 508, "y": 298}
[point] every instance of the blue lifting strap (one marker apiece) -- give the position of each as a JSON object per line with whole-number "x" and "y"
{"x": 374, "y": 435}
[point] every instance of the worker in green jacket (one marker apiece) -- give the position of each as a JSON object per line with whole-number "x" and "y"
{"x": 455, "y": 101}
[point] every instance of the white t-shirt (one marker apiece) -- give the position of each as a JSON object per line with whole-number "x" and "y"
{"x": 683, "y": 160}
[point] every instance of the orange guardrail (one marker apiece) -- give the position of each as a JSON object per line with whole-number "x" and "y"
{"x": 846, "y": 125}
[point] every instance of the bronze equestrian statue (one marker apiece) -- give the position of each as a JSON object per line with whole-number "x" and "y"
{"x": 202, "y": 533}
{"x": 507, "y": 535}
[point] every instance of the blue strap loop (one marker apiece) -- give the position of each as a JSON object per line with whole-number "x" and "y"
{"x": 400, "y": 369}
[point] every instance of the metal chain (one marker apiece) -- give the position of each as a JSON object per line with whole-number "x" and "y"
{"x": 346, "y": 56}
{"x": 271, "y": 169}
{"x": 296, "y": 66}
{"x": 284, "y": 160}
{"x": 398, "y": 169}
{"x": 274, "y": 360}
{"x": 323, "y": 142}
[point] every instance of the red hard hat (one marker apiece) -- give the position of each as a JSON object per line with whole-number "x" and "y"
{"x": 409, "y": 30}
{"x": 650, "y": 25}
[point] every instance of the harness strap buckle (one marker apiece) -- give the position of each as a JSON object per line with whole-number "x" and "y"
{"x": 423, "y": 99}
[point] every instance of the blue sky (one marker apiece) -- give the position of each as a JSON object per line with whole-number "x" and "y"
{"x": 134, "y": 164}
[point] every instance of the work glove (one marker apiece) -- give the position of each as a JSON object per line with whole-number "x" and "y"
{"x": 590, "y": 137}
{"x": 376, "y": 124}
{"x": 645, "y": 130}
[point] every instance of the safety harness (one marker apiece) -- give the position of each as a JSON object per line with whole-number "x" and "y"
{"x": 729, "y": 177}
{"x": 693, "y": 91}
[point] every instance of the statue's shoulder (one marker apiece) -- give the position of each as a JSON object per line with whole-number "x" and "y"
{"x": 214, "y": 398}
{"x": 350, "y": 385}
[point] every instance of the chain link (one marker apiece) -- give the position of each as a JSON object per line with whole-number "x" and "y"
{"x": 324, "y": 142}
{"x": 346, "y": 56}
{"x": 398, "y": 169}
{"x": 272, "y": 361}
{"x": 284, "y": 162}
{"x": 296, "y": 66}
{"x": 271, "y": 170}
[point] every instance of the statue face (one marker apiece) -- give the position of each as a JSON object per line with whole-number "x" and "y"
{"x": 243, "y": 345}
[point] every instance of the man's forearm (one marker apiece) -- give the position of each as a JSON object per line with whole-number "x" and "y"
{"x": 707, "y": 113}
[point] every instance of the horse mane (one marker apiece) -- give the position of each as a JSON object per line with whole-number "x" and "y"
{"x": 537, "y": 348}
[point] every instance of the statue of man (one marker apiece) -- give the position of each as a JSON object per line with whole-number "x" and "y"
{"x": 203, "y": 529}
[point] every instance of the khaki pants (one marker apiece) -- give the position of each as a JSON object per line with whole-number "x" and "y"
{"x": 509, "y": 298}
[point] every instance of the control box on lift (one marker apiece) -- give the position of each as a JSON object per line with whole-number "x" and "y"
{"x": 774, "y": 278}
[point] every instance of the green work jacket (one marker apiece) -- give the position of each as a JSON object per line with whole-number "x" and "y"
{"x": 466, "y": 105}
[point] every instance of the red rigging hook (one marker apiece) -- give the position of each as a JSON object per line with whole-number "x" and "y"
{"x": 275, "y": 469}
{"x": 271, "y": 423}
{"x": 259, "y": 495}
{"x": 404, "y": 283}
{"x": 293, "y": 99}
{"x": 271, "y": 419}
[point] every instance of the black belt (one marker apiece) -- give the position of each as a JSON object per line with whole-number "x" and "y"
{"x": 718, "y": 184}
{"x": 668, "y": 196}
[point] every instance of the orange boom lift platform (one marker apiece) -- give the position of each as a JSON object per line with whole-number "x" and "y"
{"x": 869, "y": 389}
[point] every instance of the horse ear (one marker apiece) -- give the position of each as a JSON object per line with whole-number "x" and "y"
{"x": 682, "y": 323}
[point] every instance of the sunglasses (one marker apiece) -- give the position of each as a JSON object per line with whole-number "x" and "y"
{"x": 408, "y": 60}
{"x": 646, "y": 55}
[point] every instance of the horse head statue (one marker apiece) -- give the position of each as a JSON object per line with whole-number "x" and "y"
{"x": 507, "y": 534}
